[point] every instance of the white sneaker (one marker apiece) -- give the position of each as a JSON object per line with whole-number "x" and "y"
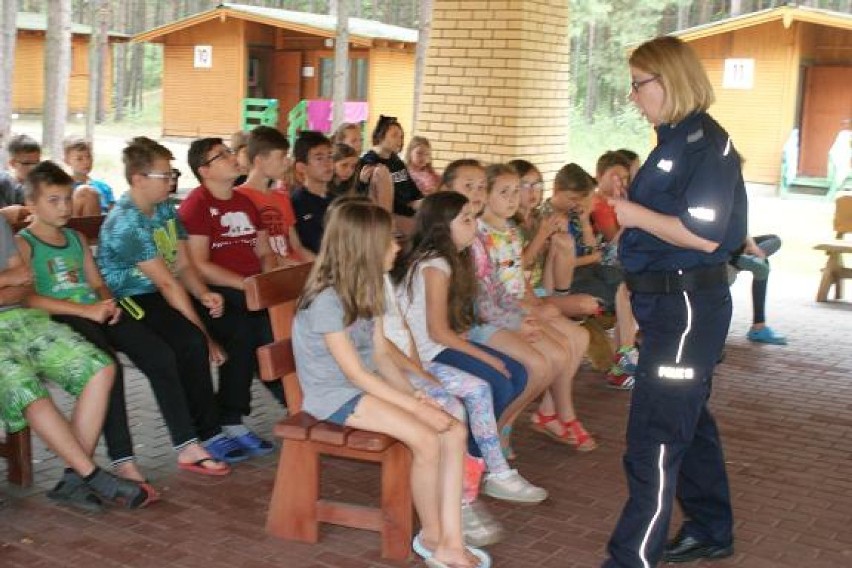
{"x": 510, "y": 486}
{"x": 478, "y": 526}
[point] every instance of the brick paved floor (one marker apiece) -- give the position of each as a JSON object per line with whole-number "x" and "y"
{"x": 785, "y": 415}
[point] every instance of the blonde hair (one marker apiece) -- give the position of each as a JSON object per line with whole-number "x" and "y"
{"x": 680, "y": 73}
{"x": 351, "y": 259}
{"x": 416, "y": 142}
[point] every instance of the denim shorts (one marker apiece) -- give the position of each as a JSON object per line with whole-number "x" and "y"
{"x": 340, "y": 415}
{"x": 482, "y": 333}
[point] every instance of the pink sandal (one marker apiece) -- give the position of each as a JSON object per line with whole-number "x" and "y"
{"x": 573, "y": 433}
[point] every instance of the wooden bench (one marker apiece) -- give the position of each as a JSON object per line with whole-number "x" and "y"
{"x": 834, "y": 271}
{"x": 17, "y": 448}
{"x": 296, "y": 508}
{"x": 90, "y": 226}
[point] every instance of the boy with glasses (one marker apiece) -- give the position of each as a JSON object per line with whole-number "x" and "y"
{"x": 228, "y": 243}
{"x": 24, "y": 155}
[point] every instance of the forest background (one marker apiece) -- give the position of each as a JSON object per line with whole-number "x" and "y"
{"x": 601, "y": 31}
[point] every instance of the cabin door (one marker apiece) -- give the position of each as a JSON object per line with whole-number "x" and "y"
{"x": 287, "y": 83}
{"x": 827, "y": 106}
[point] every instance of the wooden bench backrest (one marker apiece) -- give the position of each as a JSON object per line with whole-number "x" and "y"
{"x": 277, "y": 291}
{"x": 90, "y": 226}
{"x": 843, "y": 215}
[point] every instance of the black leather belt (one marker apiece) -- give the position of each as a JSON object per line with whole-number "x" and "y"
{"x": 690, "y": 280}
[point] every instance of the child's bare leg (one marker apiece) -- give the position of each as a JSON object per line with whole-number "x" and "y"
{"x": 453, "y": 449}
{"x": 86, "y": 202}
{"x": 625, "y": 323}
{"x": 560, "y": 263}
{"x": 88, "y": 418}
{"x": 377, "y": 415}
{"x": 568, "y": 342}
{"x": 539, "y": 373}
{"x": 129, "y": 470}
{"x": 49, "y": 425}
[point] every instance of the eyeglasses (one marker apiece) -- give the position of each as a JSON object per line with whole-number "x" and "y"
{"x": 636, "y": 85}
{"x": 539, "y": 185}
{"x": 172, "y": 175}
{"x": 27, "y": 164}
{"x": 222, "y": 154}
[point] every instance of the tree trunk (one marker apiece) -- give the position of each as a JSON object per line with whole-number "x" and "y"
{"x": 705, "y": 12}
{"x": 591, "y": 80}
{"x": 683, "y": 14}
{"x": 425, "y": 30}
{"x": 96, "y": 65}
{"x": 57, "y": 71}
{"x": 341, "y": 64}
{"x": 736, "y": 7}
{"x": 137, "y": 60}
{"x": 120, "y": 65}
{"x": 8, "y": 37}
{"x": 103, "y": 58}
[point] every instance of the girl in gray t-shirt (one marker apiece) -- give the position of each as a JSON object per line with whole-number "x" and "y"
{"x": 349, "y": 374}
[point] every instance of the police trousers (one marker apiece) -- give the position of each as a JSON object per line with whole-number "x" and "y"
{"x": 673, "y": 446}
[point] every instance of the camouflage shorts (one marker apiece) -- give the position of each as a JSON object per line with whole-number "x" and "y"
{"x": 34, "y": 348}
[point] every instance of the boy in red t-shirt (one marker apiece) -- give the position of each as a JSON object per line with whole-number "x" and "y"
{"x": 227, "y": 243}
{"x": 613, "y": 176}
{"x": 267, "y": 156}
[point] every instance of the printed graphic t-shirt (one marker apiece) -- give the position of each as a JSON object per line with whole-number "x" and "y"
{"x": 276, "y": 214}
{"x": 59, "y": 271}
{"x": 231, "y": 225}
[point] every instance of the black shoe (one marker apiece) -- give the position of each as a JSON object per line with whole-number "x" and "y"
{"x": 689, "y": 548}
{"x": 73, "y": 491}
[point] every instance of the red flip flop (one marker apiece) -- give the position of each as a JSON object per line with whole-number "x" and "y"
{"x": 199, "y": 468}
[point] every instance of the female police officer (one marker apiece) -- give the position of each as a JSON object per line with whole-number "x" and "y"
{"x": 685, "y": 215}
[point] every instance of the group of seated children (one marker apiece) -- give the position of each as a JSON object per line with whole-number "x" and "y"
{"x": 474, "y": 321}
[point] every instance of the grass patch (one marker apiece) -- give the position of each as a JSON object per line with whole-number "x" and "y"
{"x": 588, "y": 140}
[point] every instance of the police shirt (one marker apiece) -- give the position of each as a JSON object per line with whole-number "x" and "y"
{"x": 694, "y": 174}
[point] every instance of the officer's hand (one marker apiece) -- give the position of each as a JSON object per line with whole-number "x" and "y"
{"x": 627, "y": 212}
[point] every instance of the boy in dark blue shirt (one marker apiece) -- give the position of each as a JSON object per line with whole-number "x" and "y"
{"x": 315, "y": 167}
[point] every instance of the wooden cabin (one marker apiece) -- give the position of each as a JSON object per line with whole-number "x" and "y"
{"x": 28, "y": 90}
{"x": 775, "y": 71}
{"x": 214, "y": 60}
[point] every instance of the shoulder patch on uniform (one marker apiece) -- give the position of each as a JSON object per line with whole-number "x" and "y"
{"x": 693, "y": 137}
{"x": 665, "y": 165}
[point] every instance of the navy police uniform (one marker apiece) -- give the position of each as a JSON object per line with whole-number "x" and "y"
{"x": 682, "y": 303}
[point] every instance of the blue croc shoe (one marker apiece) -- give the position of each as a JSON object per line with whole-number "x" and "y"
{"x": 766, "y": 335}
{"x": 225, "y": 449}
{"x": 254, "y": 445}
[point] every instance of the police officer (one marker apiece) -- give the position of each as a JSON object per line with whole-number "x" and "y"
{"x": 685, "y": 215}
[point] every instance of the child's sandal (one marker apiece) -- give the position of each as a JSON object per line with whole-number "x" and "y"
{"x": 578, "y": 436}
{"x": 539, "y": 424}
{"x": 573, "y": 433}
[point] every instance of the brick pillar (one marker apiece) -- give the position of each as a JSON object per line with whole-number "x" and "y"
{"x": 496, "y": 82}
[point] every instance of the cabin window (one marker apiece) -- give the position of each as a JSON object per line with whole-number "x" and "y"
{"x": 357, "y": 79}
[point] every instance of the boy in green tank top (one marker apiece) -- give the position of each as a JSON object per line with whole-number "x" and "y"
{"x": 34, "y": 349}
{"x": 69, "y": 286}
